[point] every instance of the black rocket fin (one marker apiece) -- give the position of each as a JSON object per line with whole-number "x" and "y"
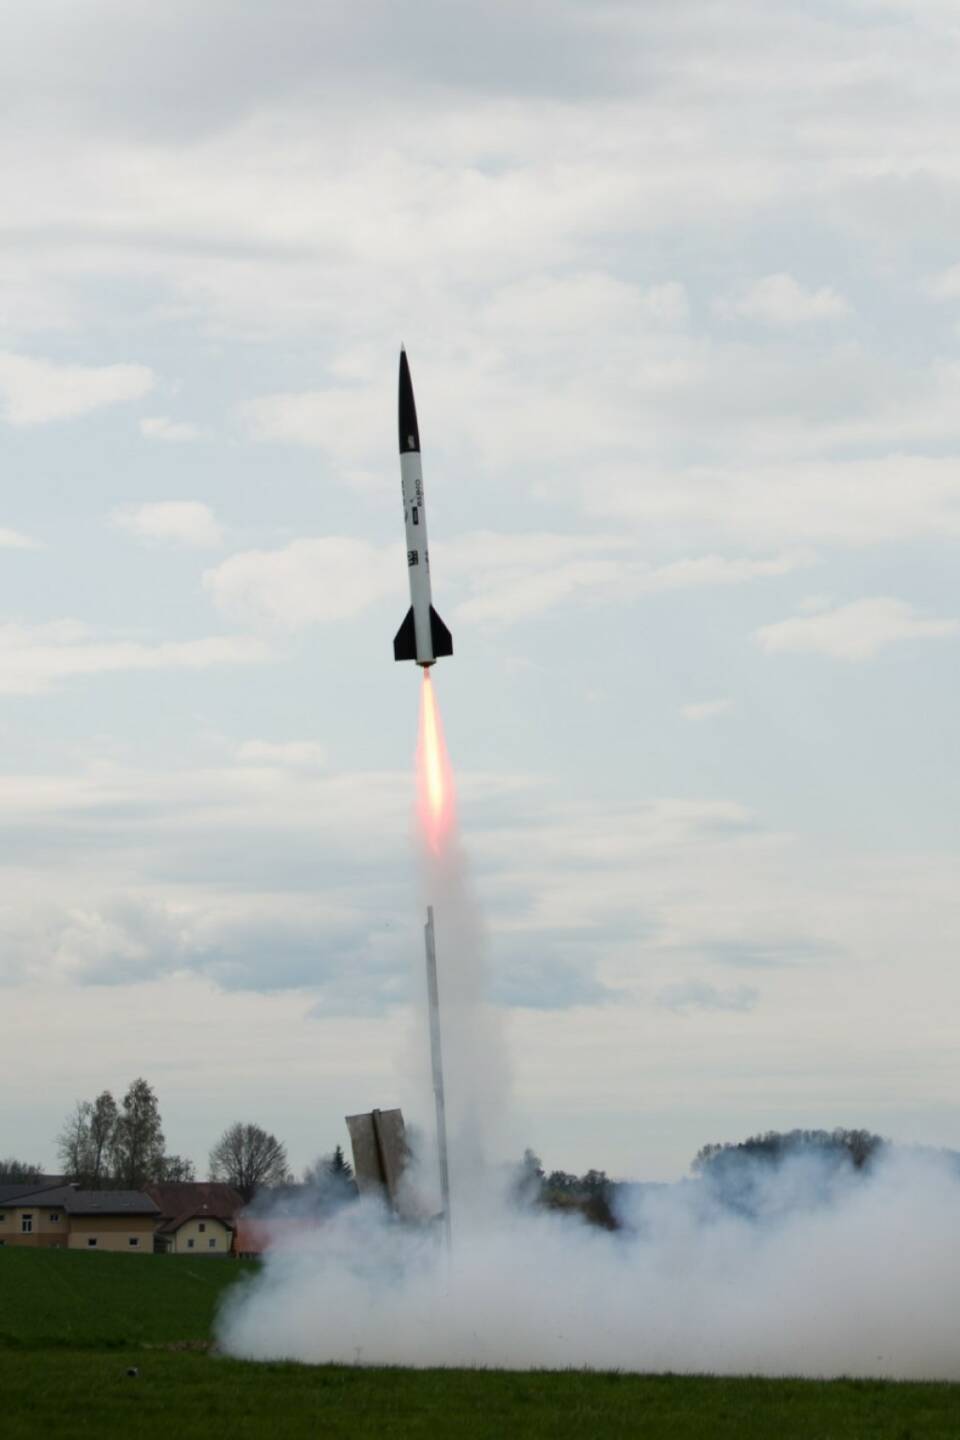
{"x": 405, "y": 640}
{"x": 440, "y": 635}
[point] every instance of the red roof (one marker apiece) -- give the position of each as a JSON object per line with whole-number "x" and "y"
{"x": 186, "y": 1200}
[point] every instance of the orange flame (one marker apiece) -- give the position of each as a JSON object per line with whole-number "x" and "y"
{"x": 434, "y": 773}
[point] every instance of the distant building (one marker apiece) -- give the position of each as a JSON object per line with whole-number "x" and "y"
{"x": 64, "y": 1217}
{"x": 196, "y": 1218}
{"x": 286, "y": 1216}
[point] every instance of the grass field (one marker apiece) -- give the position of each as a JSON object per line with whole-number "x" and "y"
{"x": 72, "y": 1324}
{"x": 102, "y": 1302}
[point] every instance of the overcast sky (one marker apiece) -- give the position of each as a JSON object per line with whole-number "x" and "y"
{"x": 680, "y": 287}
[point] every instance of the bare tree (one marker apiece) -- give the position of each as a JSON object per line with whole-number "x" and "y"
{"x": 85, "y": 1145}
{"x": 73, "y": 1143}
{"x": 136, "y": 1147}
{"x": 247, "y": 1158}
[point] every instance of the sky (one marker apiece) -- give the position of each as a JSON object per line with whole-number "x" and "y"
{"x": 680, "y": 288}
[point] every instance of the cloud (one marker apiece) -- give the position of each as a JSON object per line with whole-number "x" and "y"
{"x": 781, "y": 301}
{"x": 515, "y": 576}
{"x": 697, "y": 995}
{"x": 14, "y": 540}
{"x": 706, "y": 709}
{"x": 308, "y": 582}
{"x": 285, "y": 754}
{"x": 582, "y": 304}
{"x": 160, "y": 427}
{"x": 946, "y": 285}
{"x": 767, "y": 952}
{"x": 34, "y": 391}
{"x": 341, "y": 420}
{"x": 857, "y": 631}
{"x": 546, "y": 982}
{"x": 722, "y": 570}
{"x": 311, "y": 947}
{"x": 507, "y": 577}
{"x": 176, "y": 522}
{"x": 35, "y": 658}
{"x": 855, "y": 503}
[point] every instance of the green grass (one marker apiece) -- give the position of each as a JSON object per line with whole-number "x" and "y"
{"x": 72, "y": 1298}
{"x": 191, "y": 1395}
{"x": 71, "y": 1325}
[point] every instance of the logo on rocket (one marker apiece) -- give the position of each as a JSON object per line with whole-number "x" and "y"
{"x": 422, "y": 637}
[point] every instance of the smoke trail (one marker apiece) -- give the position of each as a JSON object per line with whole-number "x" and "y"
{"x": 475, "y": 1062}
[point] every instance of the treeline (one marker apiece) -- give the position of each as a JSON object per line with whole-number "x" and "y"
{"x": 105, "y": 1144}
{"x": 109, "y": 1145}
{"x": 735, "y": 1175}
{"x": 591, "y": 1195}
{"x": 19, "y": 1172}
{"x": 854, "y": 1147}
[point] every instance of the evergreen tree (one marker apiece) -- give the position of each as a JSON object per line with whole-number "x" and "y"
{"x": 338, "y": 1166}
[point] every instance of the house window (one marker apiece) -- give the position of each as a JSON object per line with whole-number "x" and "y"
{"x": 54, "y": 1218}
{"x": 92, "y": 1241}
{"x": 134, "y": 1242}
{"x": 26, "y": 1224}
{"x": 212, "y": 1243}
{"x": 190, "y": 1244}
{"x": 202, "y": 1226}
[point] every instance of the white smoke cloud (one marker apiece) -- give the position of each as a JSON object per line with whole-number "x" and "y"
{"x": 837, "y": 1275}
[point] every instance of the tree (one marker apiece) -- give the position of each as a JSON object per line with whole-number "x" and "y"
{"x": 737, "y": 1176}
{"x": 73, "y": 1143}
{"x": 526, "y": 1186}
{"x": 329, "y": 1182}
{"x": 136, "y": 1146}
{"x": 561, "y": 1182}
{"x": 18, "y": 1172}
{"x": 174, "y": 1169}
{"x": 857, "y": 1147}
{"x": 103, "y": 1119}
{"x": 247, "y": 1158}
{"x": 339, "y": 1166}
{"x": 86, "y": 1142}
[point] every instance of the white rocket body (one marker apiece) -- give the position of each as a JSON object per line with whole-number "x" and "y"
{"x": 418, "y": 554}
{"x": 422, "y": 637}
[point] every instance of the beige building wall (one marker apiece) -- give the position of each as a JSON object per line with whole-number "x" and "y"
{"x": 209, "y": 1236}
{"x": 132, "y": 1234}
{"x": 35, "y": 1225}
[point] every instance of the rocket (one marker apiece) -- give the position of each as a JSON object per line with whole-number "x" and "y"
{"x": 422, "y": 637}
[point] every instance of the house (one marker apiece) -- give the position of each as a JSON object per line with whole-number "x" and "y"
{"x": 196, "y": 1218}
{"x": 288, "y": 1216}
{"x": 65, "y": 1217}
{"x": 34, "y": 1226}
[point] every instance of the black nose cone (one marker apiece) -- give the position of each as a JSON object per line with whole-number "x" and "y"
{"x": 409, "y": 432}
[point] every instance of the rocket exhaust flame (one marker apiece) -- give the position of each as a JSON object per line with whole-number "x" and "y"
{"x": 435, "y": 790}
